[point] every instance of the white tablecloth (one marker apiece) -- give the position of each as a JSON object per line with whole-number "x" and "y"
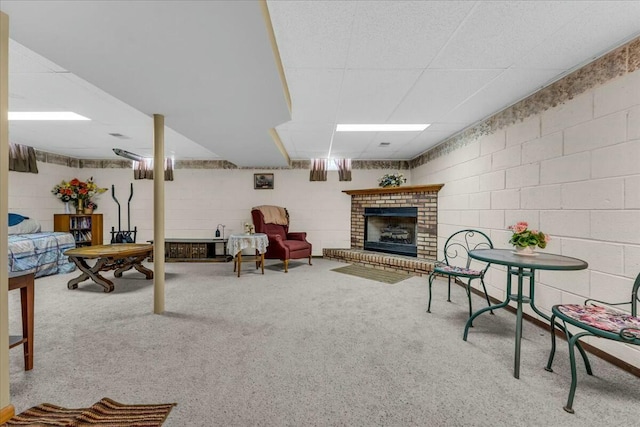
{"x": 238, "y": 242}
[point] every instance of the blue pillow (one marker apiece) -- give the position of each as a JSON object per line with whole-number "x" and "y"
{"x": 15, "y": 219}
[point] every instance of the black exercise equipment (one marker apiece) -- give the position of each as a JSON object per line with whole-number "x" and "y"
{"x": 128, "y": 235}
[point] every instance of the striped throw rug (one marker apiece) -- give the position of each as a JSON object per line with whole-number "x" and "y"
{"x": 105, "y": 413}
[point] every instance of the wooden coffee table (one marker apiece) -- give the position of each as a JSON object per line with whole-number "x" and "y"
{"x": 118, "y": 256}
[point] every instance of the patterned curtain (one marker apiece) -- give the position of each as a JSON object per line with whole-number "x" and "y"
{"x": 318, "y": 170}
{"x": 144, "y": 169}
{"x": 22, "y": 158}
{"x": 344, "y": 169}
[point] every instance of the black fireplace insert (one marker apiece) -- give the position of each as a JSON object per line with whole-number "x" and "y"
{"x": 391, "y": 230}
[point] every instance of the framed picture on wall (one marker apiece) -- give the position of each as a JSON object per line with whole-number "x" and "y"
{"x": 263, "y": 181}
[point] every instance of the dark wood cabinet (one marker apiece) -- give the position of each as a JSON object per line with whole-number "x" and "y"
{"x": 86, "y": 229}
{"x": 195, "y": 250}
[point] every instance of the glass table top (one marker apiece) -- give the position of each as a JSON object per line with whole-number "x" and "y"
{"x": 541, "y": 260}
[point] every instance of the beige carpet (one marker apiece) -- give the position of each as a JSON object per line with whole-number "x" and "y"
{"x": 310, "y": 348}
{"x": 390, "y": 277}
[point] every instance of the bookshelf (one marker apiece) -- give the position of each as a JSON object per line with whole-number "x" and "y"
{"x": 86, "y": 229}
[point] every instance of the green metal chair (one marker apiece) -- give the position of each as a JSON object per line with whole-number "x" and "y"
{"x": 457, "y": 263}
{"x": 602, "y": 321}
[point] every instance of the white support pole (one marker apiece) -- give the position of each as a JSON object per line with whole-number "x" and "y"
{"x": 6, "y": 409}
{"x": 158, "y": 213}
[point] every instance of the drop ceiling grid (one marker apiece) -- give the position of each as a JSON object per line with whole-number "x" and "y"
{"x": 396, "y": 140}
{"x": 312, "y": 34}
{"x": 331, "y": 52}
{"x": 437, "y": 92}
{"x": 306, "y": 142}
{"x": 420, "y": 144}
{"x": 500, "y": 93}
{"x": 370, "y": 96}
{"x": 497, "y": 33}
{"x": 591, "y": 33}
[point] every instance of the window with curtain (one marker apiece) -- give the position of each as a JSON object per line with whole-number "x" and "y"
{"x": 344, "y": 169}
{"x": 144, "y": 169}
{"x": 22, "y": 158}
{"x": 318, "y": 170}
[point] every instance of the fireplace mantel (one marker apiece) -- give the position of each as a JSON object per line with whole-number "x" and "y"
{"x": 388, "y": 190}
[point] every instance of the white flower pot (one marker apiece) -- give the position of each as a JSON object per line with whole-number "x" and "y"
{"x": 527, "y": 250}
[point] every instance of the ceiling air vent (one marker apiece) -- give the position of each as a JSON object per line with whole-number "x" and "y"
{"x": 385, "y": 144}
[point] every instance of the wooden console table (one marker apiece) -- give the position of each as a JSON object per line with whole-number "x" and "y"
{"x": 118, "y": 256}
{"x": 24, "y": 282}
{"x": 194, "y": 250}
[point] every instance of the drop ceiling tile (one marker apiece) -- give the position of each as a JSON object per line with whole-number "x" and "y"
{"x": 444, "y": 127}
{"x": 305, "y": 141}
{"x": 345, "y": 154}
{"x": 312, "y": 154}
{"x": 591, "y": 34}
{"x": 353, "y": 138}
{"x": 312, "y": 33}
{"x": 330, "y": 51}
{"x": 351, "y": 141}
{"x": 496, "y": 32}
{"x": 370, "y": 96}
{"x": 437, "y": 92}
{"x": 401, "y": 35}
{"x": 500, "y": 93}
{"x": 426, "y": 140}
{"x": 395, "y": 138}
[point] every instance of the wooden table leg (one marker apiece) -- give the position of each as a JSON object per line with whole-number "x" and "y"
{"x": 90, "y": 273}
{"x": 25, "y": 283}
{"x": 26, "y": 300}
{"x": 239, "y": 260}
{"x": 144, "y": 270}
{"x": 126, "y": 264}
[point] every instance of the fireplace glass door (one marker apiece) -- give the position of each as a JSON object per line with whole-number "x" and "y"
{"x": 391, "y": 230}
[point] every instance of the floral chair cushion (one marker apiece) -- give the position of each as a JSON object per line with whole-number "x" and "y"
{"x": 452, "y": 269}
{"x": 602, "y": 318}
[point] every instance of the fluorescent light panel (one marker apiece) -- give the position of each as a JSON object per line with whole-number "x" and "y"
{"x": 45, "y": 115}
{"x": 382, "y": 128}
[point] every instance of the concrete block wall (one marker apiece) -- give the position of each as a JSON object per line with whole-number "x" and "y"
{"x": 200, "y": 199}
{"x": 573, "y": 171}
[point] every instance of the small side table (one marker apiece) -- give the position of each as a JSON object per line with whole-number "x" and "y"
{"x": 24, "y": 282}
{"x": 238, "y": 242}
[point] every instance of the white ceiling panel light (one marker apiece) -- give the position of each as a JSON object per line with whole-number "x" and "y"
{"x": 45, "y": 115}
{"x": 381, "y": 128}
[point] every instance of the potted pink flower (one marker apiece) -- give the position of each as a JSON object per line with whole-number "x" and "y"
{"x": 524, "y": 240}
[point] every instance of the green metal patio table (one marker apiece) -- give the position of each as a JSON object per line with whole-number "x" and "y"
{"x": 521, "y": 266}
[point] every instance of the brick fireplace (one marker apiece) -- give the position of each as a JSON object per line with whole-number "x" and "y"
{"x": 424, "y": 198}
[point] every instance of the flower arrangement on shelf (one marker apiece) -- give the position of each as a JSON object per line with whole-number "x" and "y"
{"x": 522, "y": 237}
{"x": 392, "y": 180}
{"x": 249, "y": 228}
{"x": 77, "y": 192}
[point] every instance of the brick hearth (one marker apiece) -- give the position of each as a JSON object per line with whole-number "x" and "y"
{"x": 424, "y": 198}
